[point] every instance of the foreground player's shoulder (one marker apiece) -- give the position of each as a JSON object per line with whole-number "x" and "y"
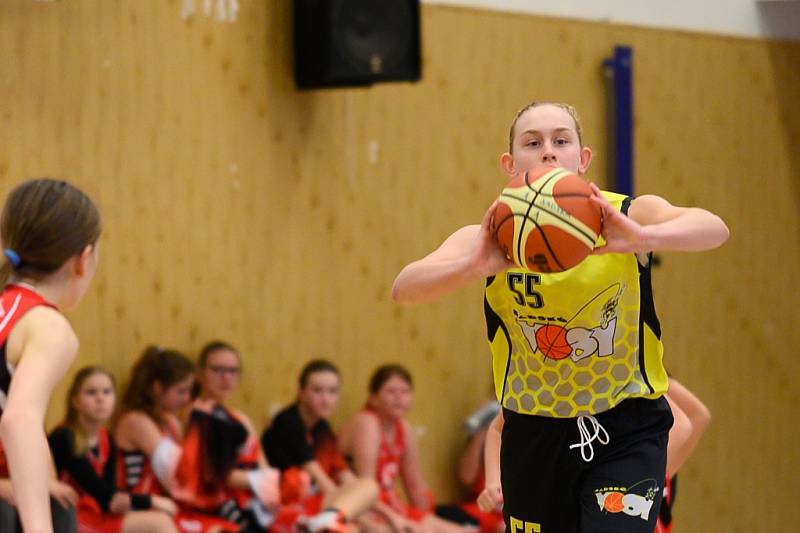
{"x": 48, "y": 325}
{"x": 42, "y": 330}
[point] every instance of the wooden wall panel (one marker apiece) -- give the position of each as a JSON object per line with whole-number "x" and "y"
{"x": 236, "y": 207}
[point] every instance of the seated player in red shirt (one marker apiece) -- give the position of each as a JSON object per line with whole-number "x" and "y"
{"x": 85, "y": 457}
{"x": 253, "y": 484}
{"x": 382, "y": 445}
{"x": 161, "y": 457}
{"x": 318, "y": 489}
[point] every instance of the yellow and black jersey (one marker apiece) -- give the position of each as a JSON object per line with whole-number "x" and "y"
{"x": 576, "y": 342}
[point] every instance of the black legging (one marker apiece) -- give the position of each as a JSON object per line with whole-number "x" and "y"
{"x": 64, "y": 520}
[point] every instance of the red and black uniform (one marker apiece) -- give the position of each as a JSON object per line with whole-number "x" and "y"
{"x": 93, "y": 476}
{"x": 390, "y": 460}
{"x": 135, "y": 471}
{"x": 15, "y": 301}
{"x": 199, "y": 482}
{"x": 287, "y": 443}
{"x": 288, "y": 446}
{"x": 237, "y": 507}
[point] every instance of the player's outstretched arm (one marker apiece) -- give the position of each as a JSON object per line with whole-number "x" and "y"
{"x": 470, "y": 254}
{"x": 653, "y": 224}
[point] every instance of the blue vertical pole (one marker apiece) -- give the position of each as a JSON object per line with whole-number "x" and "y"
{"x": 619, "y": 70}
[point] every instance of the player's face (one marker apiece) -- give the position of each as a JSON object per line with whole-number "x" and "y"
{"x": 320, "y": 394}
{"x": 95, "y": 399}
{"x": 393, "y": 399}
{"x": 546, "y": 137}
{"x": 176, "y": 396}
{"x": 221, "y": 374}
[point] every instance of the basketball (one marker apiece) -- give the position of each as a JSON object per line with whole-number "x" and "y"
{"x": 551, "y": 339}
{"x": 613, "y": 502}
{"x": 546, "y": 222}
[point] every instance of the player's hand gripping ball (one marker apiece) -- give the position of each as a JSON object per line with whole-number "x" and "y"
{"x": 546, "y": 222}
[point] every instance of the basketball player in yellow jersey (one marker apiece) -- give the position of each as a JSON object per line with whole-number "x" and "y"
{"x": 584, "y": 426}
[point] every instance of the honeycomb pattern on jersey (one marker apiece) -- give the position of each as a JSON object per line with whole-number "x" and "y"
{"x": 538, "y": 384}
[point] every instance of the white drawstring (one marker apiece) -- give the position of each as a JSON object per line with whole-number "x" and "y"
{"x": 587, "y": 438}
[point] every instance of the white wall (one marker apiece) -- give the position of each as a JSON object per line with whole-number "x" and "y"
{"x": 778, "y": 19}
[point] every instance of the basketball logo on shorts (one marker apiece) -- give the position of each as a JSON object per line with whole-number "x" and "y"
{"x": 636, "y": 500}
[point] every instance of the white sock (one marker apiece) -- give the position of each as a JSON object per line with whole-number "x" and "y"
{"x": 322, "y": 519}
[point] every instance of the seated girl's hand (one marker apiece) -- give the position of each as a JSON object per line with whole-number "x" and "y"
{"x": 120, "y": 503}
{"x": 490, "y": 498}
{"x": 62, "y": 493}
{"x": 160, "y": 503}
{"x": 265, "y": 483}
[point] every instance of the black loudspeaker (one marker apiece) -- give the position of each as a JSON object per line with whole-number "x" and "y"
{"x": 341, "y": 43}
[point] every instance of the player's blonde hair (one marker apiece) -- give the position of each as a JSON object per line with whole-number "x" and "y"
{"x": 566, "y": 107}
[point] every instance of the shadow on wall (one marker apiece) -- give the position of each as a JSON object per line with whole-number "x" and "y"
{"x": 785, "y": 60}
{"x": 779, "y": 19}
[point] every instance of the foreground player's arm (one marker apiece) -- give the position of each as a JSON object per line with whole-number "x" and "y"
{"x": 47, "y": 346}
{"x": 653, "y": 224}
{"x": 698, "y": 417}
{"x": 470, "y": 254}
{"x": 492, "y": 495}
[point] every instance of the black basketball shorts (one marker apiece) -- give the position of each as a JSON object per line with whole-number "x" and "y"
{"x": 612, "y": 483}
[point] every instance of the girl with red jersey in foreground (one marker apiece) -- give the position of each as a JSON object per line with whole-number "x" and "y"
{"x": 86, "y": 457}
{"x": 49, "y": 231}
